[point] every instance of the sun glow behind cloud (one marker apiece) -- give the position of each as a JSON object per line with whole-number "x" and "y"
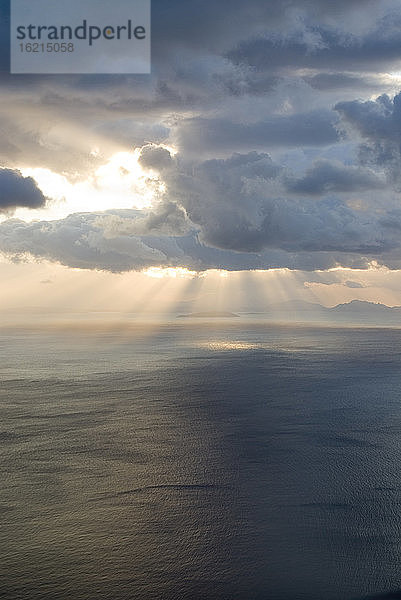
{"x": 160, "y": 273}
{"x": 118, "y": 184}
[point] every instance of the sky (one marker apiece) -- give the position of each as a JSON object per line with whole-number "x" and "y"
{"x": 260, "y": 161}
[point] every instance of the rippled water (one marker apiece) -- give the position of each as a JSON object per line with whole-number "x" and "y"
{"x": 200, "y": 462}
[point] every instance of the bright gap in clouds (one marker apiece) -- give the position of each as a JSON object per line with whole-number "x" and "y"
{"x": 160, "y": 273}
{"x": 120, "y": 183}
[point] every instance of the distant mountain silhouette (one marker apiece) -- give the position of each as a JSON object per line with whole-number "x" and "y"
{"x": 358, "y": 306}
{"x": 370, "y": 313}
{"x": 356, "y": 311}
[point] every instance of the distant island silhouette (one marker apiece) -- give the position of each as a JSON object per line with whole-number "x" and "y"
{"x": 356, "y": 311}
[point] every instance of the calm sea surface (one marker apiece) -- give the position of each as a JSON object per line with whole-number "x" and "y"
{"x": 200, "y": 461}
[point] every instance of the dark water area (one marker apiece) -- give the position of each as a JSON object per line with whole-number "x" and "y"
{"x": 194, "y": 461}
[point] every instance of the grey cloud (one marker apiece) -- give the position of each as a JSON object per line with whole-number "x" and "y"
{"x": 166, "y": 219}
{"x": 32, "y": 140}
{"x": 76, "y": 242}
{"x": 343, "y": 81}
{"x": 378, "y": 123}
{"x": 239, "y": 204}
{"x": 320, "y": 47}
{"x": 155, "y": 157}
{"x": 354, "y": 284}
{"x": 131, "y": 133}
{"x": 378, "y": 119}
{"x": 19, "y": 191}
{"x": 226, "y": 77}
{"x": 325, "y": 177}
{"x": 223, "y": 213}
{"x": 392, "y": 219}
{"x": 191, "y": 24}
{"x": 310, "y": 129}
{"x": 80, "y": 241}
{"x": 202, "y": 59}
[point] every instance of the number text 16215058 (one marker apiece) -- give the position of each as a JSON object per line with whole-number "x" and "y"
{"x": 48, "y": 47}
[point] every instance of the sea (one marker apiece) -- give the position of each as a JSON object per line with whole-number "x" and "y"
{"x": 200, "y": 460}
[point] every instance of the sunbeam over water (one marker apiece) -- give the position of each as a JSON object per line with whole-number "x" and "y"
{"x": 236, "y": 462}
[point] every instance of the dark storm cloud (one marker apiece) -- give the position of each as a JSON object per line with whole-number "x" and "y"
{"x": 344, "y": 81}
{"x": 201, "y": 64}
{"x": 394, "y": 595}
{"x": 18, "y": 191}
{"x": 310, "y": 129}
{"x": 377, "y": 120}
{"x": 378, "y": 124}
{"x": 154, "y": 157}
{"x": 4, "y": 36}
{"x": 318, "y": 47}
{"x": 240, "y": 204}
{"x": 195, "y": 24}
{"x": 324, "y": 177}
{"x": 192, "y": 23}
{"x": 228, "y": 79}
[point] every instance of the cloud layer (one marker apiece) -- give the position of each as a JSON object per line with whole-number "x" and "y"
{"x": 282, "y": 157}
{"x": 106, "y": 241}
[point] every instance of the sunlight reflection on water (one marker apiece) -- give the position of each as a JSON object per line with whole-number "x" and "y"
{"x": 198, "y": 463}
